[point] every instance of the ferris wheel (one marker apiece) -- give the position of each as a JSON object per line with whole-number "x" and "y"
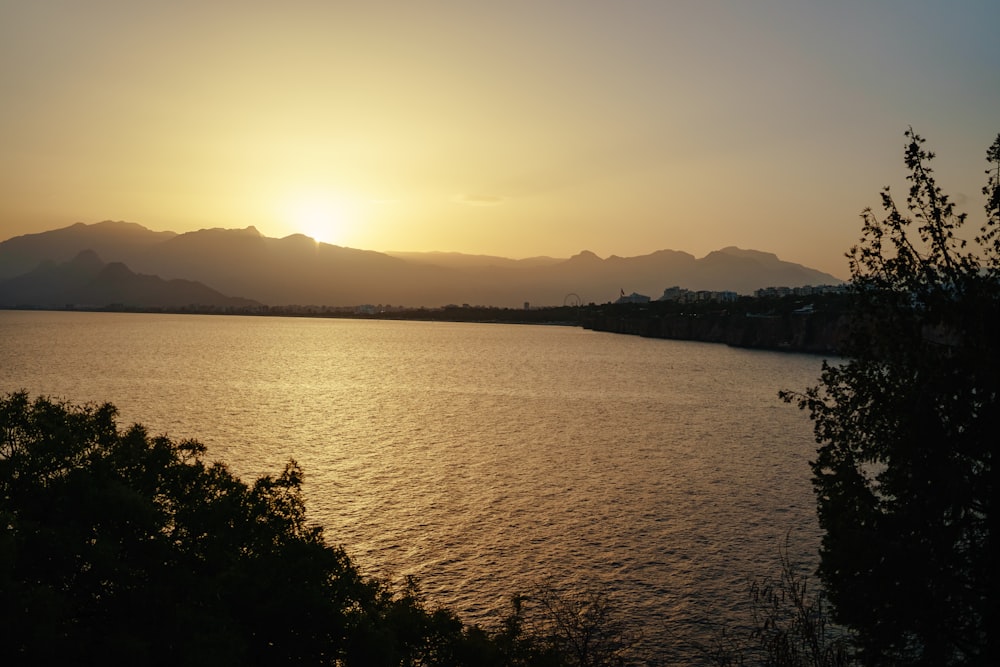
{"x": 572, "y": 299}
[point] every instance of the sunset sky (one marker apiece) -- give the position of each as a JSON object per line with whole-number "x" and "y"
{"x": 516, "y": 128}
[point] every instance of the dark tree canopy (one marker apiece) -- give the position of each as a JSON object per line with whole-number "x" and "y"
{"x": 121, "y": 548}
{"x": 907, "y": 428}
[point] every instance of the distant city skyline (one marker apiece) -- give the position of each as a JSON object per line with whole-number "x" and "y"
{"x": 516, "y": 129}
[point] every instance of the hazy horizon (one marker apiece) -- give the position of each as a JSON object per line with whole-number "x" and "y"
{"x": 398, "y": 251}
{"x": 516, "y": 130}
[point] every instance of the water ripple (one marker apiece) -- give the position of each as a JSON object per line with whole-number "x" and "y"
{"x": 485, "y": 459}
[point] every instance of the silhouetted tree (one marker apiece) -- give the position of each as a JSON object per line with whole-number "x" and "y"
{"x": 908, "y": 426}
{"x": 121, "y": 548}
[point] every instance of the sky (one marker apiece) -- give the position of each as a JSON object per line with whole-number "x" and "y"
{"x": 516, "y": 128}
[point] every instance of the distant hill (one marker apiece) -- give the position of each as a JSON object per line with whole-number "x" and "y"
{"x": 297, "y": 270}
{"x": 112, "y": 240}
{"x": 86, "y": 281}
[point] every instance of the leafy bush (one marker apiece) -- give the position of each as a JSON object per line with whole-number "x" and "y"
{"x": 789, "y": 625}
{"x": 121, "y": 548}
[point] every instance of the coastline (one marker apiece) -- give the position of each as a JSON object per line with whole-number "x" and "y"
{"x": 775, "y": 324}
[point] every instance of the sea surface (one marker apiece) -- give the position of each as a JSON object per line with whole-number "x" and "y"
{"x": 485, "y": 459}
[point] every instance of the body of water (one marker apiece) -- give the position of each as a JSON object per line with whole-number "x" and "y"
{"x": 484, "y": 459}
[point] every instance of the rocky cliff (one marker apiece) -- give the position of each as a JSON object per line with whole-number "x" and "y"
{"x": 817, "y": 333}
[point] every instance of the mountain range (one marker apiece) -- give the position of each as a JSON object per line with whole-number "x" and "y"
{"x": 87, "y": 281}
{"x": 210, "y": 266}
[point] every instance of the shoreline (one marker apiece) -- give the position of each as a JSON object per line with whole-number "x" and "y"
{"x": 775, "y": 324}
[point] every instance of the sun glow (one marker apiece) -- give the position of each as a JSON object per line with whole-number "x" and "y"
{"x": 323, "y": 217}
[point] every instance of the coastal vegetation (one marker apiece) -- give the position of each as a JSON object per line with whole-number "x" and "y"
{"x": 119, "y": 547}
{"x": 907, "y": 430}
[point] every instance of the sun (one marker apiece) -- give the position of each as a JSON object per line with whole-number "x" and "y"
{"x": 320, "y": 216}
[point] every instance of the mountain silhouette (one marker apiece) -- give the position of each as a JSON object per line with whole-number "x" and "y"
{"x": 86, "y": 281}
{"x": 298, "y": 270}
{"x": 109, "y": 239}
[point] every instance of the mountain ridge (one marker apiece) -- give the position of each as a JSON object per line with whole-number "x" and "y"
{"x": 88, "y": 281}
{"x": 296, "y": 269}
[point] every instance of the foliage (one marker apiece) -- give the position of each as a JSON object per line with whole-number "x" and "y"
{"x": 121, "y": 548}
{"x": 118, "y": 546}
{"x": 577, "y": 630}
{"x": 789, "y": 626}
{"x": 907, "y": 428}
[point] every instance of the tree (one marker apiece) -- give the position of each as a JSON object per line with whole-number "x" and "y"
{"x": 118, "y": 547}
{"x": 121, "y": 548}
{"x": 907, "y": 427}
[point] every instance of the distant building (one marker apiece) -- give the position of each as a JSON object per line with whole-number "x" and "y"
{"x": 674, "y": 293}
{"x": 771, "y": 292}
{"x": 805, "y": 290}
{"x": 633, "y": 298}
{"x": 682, "y": 295}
